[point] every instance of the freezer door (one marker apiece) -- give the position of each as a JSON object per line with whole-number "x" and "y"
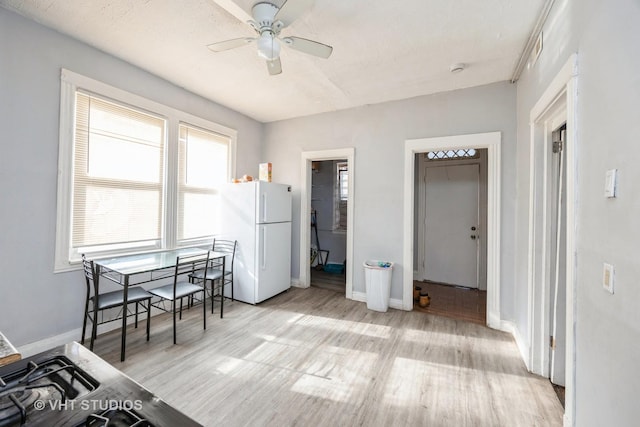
{"x": 274, "y": 202}
{"x": 273, "y": 259}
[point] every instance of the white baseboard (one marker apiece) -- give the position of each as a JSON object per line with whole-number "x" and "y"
{"x": 297, "y": 284}
{"x": 362, "y": 297}
{"x": 523, "y": 348}
{"x": 76, "y": 335}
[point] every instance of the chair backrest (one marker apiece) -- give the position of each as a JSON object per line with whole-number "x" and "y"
{"x": 226, "y": 246}
{"x": 190, "y": 264}
{"x": 90, "y": 276}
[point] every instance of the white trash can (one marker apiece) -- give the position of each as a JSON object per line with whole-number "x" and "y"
{"x": 377, "y": 280}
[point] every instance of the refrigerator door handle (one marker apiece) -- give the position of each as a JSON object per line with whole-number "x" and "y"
{"x": 263, "y": 248}
{"x": 264, "y": 207}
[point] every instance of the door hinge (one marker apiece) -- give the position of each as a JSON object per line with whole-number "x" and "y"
{"x": 552, "y": 342}
{"x": 557, "y": 146}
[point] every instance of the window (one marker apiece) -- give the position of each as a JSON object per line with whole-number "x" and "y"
{"x": 341, "y": 196}
{"x": 463, "y": 153}
{"x": 118, "y": 175}
{"x": 202, "y": 170}
{"x": 135, "y": 175}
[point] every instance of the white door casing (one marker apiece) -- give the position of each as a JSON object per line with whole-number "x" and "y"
{"x": 491, "y": 141}
{"x": 305, "y": 212}
{"x": 556, "y": 105}
{"x": 451, "y": 244}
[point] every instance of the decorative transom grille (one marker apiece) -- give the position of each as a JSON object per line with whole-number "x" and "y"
{"x": 462, "y": 153}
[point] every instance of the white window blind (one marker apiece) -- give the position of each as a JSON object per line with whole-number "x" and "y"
{"x": 203, "y": 166}
{"x": 118, "y": 175}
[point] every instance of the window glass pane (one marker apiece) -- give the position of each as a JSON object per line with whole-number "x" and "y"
{"x": 206, "y": 162}
{"x": 118, "y": 215}
{"x": 118, "y": 159}
{"x": 200, "y": 216}
{"x": 203, "y": 168}
{"x": 118, "y": 174}
{"x": 463, "y": 153}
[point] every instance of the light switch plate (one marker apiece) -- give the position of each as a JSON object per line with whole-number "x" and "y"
{"x": 610, "y": 183}
{"x": 608, "y": 277}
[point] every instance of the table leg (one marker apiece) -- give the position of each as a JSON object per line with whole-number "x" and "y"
{"x": 124, "y": 317}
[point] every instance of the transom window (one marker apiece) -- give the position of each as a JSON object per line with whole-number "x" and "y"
{"x": 135, "y": 175}
{"x": 462, "y": 153}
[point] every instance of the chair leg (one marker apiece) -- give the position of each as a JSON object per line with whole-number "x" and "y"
{"x": 136, "y": 322}
{"x": 84, "y": 323}
{"x": 204, "y": 307}
{"x": 173, "y": 306}
{"x": 222, "y": 298}
{"x": 94, "y": 328}
{"x": 180, "y": 308}
{"x": 213, "y": 299}
{"x": 148, "y": 317}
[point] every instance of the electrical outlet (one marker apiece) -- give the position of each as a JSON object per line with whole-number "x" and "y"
{"x": 607, "y": 277}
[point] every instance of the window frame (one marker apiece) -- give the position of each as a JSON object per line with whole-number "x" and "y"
{"x": 338, "y": 199}
{"x": 70, "y": 82}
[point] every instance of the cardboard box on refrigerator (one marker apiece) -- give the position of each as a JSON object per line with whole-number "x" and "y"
{"x": 265, "y": 172}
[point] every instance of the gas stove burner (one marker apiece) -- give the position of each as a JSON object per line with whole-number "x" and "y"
{"x": 116, "y": 418}
{"x": 53, "y": 380}
{"x": 14, "y": 404}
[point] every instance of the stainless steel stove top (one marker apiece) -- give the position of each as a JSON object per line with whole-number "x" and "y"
{"x": 71, "y": 386}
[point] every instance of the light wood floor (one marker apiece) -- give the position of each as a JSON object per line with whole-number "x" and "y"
{"x": 311, "y": 357}
{"x": 454, "y": 301}
{"x": 331, "y": 281}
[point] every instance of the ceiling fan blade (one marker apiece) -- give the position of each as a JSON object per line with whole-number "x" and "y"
{"x": 235, "y": 10}
{"x": 275, "y": 67}
{"x": 291, "y": 10}
{"x": 308, "y": 46}
{"x": 230, "y": 44}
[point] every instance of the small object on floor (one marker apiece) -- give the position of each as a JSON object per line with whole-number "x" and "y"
{"x": 416, "y": 292}
{"x": 425, "y": 300}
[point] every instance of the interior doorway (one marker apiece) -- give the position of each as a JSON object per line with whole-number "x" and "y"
{"x": 552, "y": 255}
{"x": 450, "y": 240}
{"x": 341, "y": 159}
{"x": 491, "y": 142}
{"x": 329, "y": 215}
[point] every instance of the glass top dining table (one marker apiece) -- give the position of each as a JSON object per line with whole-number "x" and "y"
{"x": 129, "y": 270}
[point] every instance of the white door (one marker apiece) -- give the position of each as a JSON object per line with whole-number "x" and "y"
{"x": 558, "y": 264}
{"x": 452, "y": 224}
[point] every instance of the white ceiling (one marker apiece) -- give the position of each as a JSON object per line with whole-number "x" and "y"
{"x": 383, "y": 50}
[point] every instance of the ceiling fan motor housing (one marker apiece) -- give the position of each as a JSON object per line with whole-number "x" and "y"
{"x": 264, "y": 13}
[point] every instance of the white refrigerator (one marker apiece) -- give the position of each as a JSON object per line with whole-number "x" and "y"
{"x": 258, "y": 215}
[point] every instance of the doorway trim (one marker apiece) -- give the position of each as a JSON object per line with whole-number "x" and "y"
{"x": 491, "y": 141}
{"x": 305, "y": 212}
{"x": 557, "y": 103}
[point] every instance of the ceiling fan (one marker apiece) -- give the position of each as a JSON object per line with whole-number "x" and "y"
{"x": 268, "y": 20}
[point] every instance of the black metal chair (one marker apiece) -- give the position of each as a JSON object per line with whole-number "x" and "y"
{"x": 214, "y": 272}
{"x": 108, "y": 300}
{"x": 179, "y": 289}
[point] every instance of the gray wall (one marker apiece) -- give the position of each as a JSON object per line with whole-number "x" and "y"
{"x": 34, "y": 302}
{"x": 606, "y": 36}
{"x": 378, "y": 133}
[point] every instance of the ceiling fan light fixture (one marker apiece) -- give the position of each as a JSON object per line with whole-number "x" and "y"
{"x": 268, "y": 46}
